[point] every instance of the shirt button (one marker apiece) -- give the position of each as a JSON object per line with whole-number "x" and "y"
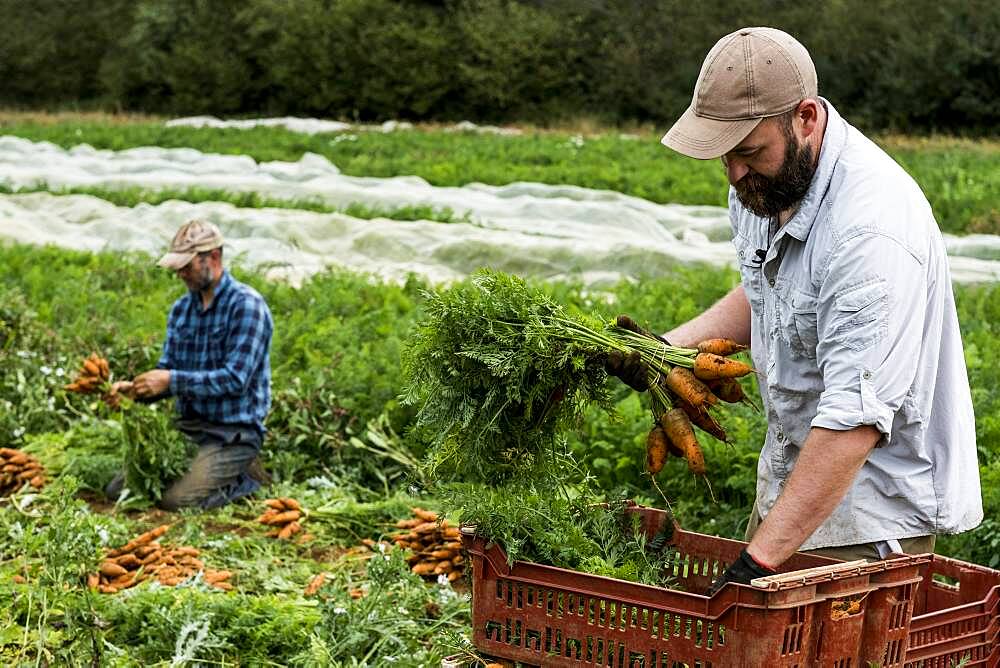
{"x": 741, "y": 255}
{"x": 780, "y": 435}
{"x": 867, "y": 375}
{"x": 770, "y": 282}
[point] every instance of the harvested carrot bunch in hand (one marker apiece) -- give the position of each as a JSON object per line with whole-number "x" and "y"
{"x": 93, "y": 377}
{"x": 499, "y": 371}
{"x": 17, "y": 469}
{"x": 283, "y": 515}
{"x": 682, "y": 399}
{"x": 436, "y": 545}
{"x": 144, "y": 558}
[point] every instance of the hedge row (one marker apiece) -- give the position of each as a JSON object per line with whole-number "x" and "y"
{"x": 909, "y": 65}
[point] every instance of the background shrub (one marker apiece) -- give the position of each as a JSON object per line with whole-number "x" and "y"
{"x": 901, "y": 65}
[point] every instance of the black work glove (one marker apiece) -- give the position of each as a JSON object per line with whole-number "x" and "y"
{"x": 629, "y": 367}
{"x": 625, "y": 322}
{"x": 741, "y": 571}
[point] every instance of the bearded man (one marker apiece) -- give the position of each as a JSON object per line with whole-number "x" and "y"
{"x": 846, "y": 303}
{"x": 216, "y": 365}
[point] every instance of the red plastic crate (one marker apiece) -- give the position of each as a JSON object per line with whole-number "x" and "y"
{"x": 546, "y": 616}
{"x": 956, "y": 616}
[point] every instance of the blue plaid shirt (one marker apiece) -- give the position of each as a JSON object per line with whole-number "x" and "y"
{"x": 218, "y": 358}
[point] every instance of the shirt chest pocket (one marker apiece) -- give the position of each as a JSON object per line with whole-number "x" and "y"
{"x": 796, "y": 319}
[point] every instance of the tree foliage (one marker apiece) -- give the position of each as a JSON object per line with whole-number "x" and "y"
{"x": 908, "y": 65}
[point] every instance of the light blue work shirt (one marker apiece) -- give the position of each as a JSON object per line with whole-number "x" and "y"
{"x": 854, "y": 323}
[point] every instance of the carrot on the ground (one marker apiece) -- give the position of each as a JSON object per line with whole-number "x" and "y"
{"x": 284, "y": 517}
{"x": 290, "y": 503}
{"x": 424, "y": 568}
{"x": 289, "y": 530}
{"x": 425, "y": 515}
{"x": 111, "y": 569}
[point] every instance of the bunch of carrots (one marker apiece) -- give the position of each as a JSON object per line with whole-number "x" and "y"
{"x": 684, "y": 383}
{"x": 682, "y": 399}
{"x": 144, "y": 557}
{"x": 93, "y": 376}
{"x": 283, "y": 516}
{"x": 17, "y": 469}
{"x": 436, "y": 546}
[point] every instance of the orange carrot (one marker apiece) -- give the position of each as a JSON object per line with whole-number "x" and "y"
{"x": 704, "y": 421}
{"x": 284, "y": 517}
{"x": 728, "y": 389}
{"x": 290, "y": 504}
{"x": 315, "y": 584}
{"x": 685, "y": 385}
{"x": 724, "y": 347}
{"x": 710, "y": 367}
{"x": 425, "y": 515}
{"x": 678, "y": 428}
{"x": 656, "y": 450}
{"x": 288, "y": 530}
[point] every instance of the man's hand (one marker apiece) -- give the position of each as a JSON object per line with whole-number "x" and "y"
{"x": 629, "y": 368}
{"x": 151, "y": 384}
{"x": 741, "y": 571}
{"x": 119, "y": 389}
{"x": 625, "y": 322}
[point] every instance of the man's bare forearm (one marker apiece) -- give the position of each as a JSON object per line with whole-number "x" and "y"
{"x": 727, "y": 318}
{"x": 823, "y": 473}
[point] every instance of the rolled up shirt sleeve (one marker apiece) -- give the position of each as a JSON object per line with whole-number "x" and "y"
{"x": 246, "y": 346}
{"x": 872, "y": 305}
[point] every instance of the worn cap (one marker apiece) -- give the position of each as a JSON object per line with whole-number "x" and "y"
{"x": 196, "y": 236}
{"x": 748, "y": 75}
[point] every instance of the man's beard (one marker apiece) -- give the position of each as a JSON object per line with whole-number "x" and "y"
{"x": 768, "y": 196}
{"x": 202, "y": 280}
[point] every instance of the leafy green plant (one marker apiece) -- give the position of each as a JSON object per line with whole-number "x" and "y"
{"x": 395, "y": 621}
{"x": 497, "y": 378}
{"x": 154, "y": 453}
{"x": 575, "y": 527}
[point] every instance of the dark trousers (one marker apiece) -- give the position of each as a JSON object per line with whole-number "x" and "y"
{"x": 218, "y": 474}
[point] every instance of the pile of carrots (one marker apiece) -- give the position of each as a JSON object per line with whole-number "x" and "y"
{"x": 144, "y": 557}
{"x": 283, "y": 515}
{"x": 682, "y": 400}
{"x": 92, "y": 377}
{"x": 436, "y": 546}
{"x": 17, "y": 469}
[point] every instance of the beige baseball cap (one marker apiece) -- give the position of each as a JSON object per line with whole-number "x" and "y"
{"x": 748, "y": 75}
{"x": 195, "y": 236}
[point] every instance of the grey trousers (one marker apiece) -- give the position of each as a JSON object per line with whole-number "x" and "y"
{"x": 868, "y": 551}
{"x": 217, "y": 475}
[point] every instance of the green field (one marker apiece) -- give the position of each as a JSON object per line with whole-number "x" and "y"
{"x": 339, "y": 439}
